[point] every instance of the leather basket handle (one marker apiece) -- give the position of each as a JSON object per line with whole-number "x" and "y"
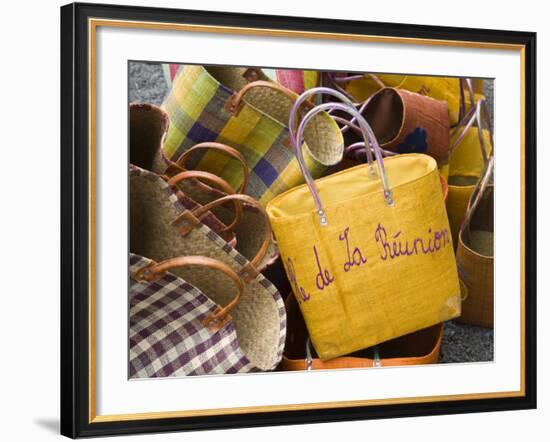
{"x": 235, "y": 102}
{"x": 219, "y": 147}
{"x": 216, "y": 320}
{"x": 215, "y": 180}
{"x": 251, "y": 201}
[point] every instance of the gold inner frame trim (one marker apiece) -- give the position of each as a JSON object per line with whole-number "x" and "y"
{"x": 92, "y": 28}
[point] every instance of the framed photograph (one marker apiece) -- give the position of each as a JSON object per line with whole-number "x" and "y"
{"x": 274, "y": 220}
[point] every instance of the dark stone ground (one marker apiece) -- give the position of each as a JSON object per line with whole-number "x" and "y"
{"x": 461, "y": 343}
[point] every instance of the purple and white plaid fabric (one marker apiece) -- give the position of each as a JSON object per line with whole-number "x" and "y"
{"x": 167, "y": 337}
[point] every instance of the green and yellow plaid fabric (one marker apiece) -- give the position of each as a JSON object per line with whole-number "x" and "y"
{"x": 196, "y": 108}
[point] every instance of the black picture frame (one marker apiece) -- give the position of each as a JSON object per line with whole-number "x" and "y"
{"x": 75, "y": 195}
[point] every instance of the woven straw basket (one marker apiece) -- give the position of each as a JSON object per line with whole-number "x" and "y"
{"x": 175, "y": 328}
{"x": 246, "y": 221}
{"x": 162, "y": 228}
{"x": 475, "y": 257}
{"x": 148, "y": 127}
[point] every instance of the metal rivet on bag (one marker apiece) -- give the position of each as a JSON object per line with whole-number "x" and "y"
{"x": 377, "y": 362}
{"x": 322, "y": 217}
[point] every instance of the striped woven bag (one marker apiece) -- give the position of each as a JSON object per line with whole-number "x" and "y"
{"x": 162, "y": 228}
{"x": 229, "y": 106}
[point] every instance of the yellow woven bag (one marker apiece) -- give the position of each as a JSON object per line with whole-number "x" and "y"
{"x": 367, "y": 250}
{"x": 466, "y": 164}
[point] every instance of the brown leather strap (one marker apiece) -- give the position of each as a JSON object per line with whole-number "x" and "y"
{"x": 233, "y": 153}
{"x": 235, "y": 102}
{"x": 153, "y": 271}
{"x": 221, "y": 184}
{"x": 251, "y": 201}
{"x": 215, "y": 180}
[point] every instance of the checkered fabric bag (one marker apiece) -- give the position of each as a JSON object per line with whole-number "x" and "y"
{"x": 161, "y": 228}
{"x": 169, "y": 333}
{"x": 204, "y": 105}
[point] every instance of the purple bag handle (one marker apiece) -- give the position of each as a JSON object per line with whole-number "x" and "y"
{"x": 478, "y": 192}
{"x": 335, "y": 81}
{"x": 465, "y": 83}
{"x": 370, "y": 138}
{"x": 359, "y": 147}
{"x": 321, "y": 91}
{"x": 475, "y": 115}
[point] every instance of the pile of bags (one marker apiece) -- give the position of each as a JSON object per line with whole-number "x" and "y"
{"x": 300, "y": 220}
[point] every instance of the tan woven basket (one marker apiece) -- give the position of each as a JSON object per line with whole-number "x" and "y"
{"x": 475, "y": 259}
{"x": 148, "y": 127}
{"x": 161, "y": 228}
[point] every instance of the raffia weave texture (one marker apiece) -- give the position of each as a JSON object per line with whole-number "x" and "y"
{"x": 374, "y": 272}
{"x": 259, "y": 317}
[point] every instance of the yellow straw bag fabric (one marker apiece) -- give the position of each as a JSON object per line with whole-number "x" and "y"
{"x": 367, "y": 250}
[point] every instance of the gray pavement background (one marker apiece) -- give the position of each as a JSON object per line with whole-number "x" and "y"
{"x": 461, "y": 343}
